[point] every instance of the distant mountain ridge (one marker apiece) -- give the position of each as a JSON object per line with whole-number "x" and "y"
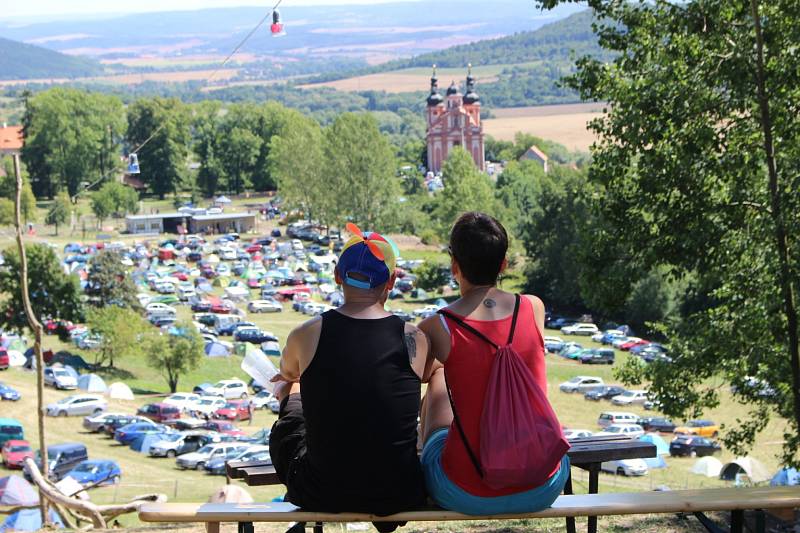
{"x": 25, "y": 61}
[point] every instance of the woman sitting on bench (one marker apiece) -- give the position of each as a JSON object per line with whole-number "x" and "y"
{"x": 465, "y": 338}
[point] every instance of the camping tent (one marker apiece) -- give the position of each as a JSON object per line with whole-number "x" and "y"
{"x": 66, "y": 358}
{"x": 16, "y": 358}
{"x": 786, "y": 476}
{"x": 92, "y": 383}
{"x": 271, "y": 348}
{"x": 28, "y": 520}
{"x": 707, "y": 466}
{"x": 217, "y": 349}
{"x": 662, "y": 448}
{"x": 748, "y": 466}
{"x": 119, "y": 391}
{"x": 14, "y": 490}
{"x": 655, "y": 462}
{"x": 143, "y": 443}
{"x": 222, "y": 200}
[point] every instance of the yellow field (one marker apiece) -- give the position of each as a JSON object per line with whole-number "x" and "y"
{"x": 134, "y": 79}
{"x": 565, "y": 124}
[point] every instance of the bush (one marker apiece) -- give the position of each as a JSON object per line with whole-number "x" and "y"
{"x": 429, "y": 236}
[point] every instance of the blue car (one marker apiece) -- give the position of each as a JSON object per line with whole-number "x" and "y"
{"x": 7, "y": 393}
{"x": 127, "y": 434}
{"x": 653, "y": 346}
{"x": 96, "y": 472}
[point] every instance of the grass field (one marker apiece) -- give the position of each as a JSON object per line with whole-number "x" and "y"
{"x": 565, "y": 124}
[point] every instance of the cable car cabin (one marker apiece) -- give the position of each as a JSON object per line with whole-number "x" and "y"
{"x": 277, "y": 26}
{"x": 133, "y": 164}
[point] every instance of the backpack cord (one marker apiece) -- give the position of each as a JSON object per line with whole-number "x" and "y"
{"x": 460, "y": 322}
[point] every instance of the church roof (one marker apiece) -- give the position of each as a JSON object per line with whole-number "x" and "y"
{"x": 453, "y": 89}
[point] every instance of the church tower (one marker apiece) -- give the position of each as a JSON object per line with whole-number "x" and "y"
{"x": 454, "y": 121}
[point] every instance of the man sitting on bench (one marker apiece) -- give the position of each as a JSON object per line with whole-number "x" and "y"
{"x": 349, "y": 444}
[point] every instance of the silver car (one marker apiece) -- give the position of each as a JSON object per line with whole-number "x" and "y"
{"x": 59, "y": 378}
{"x": 78, "y": 404}
{"x": 97, "y": 423}
{"x": 208, "y": 452}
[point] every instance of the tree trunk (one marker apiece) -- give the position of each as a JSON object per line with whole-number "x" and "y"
{"x": 787, "y": 290}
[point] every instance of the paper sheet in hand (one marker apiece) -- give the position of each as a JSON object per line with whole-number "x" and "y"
{"x": 259, "y": 367}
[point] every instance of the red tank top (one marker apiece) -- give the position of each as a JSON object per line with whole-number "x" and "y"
{"x": 468, "y": 366}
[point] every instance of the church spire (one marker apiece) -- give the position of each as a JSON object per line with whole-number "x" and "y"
{"x": 434, "y": 98}
{"x": 471, "y": 97}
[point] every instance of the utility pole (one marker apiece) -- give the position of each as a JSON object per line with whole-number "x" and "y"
{"x": 36, "y": 327}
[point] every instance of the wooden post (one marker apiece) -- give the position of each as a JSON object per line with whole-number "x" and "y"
{"x": 36, "y": 327}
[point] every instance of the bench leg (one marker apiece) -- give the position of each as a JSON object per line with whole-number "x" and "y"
{"x": 318, "y": 527}
{"x": 594, "y": 482}
{"x": 568, "y": 490}
{"x": 212, "y": 527}
{"x": 737, "y": 521}
{"x": 246, "y": 527}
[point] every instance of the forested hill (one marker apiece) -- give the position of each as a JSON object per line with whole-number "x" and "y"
{"x": 26, "y": 61}
{"x": 555, "y": 41}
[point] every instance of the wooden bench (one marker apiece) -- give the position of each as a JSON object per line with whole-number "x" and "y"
{"x": 736, "y": 500}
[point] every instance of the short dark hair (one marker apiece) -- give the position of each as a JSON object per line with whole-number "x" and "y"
{"x": 478, "y": 243}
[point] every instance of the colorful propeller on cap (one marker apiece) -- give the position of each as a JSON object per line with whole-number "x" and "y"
{"x": 374, "y": 248}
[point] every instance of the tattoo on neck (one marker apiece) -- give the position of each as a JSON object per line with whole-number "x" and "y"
{"x": 488, "y": 302}
{"x": 411, "y": 345}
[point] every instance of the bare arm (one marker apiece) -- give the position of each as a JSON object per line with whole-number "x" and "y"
{"x": 418, "y": 347}
{"x": 301, "y": 344}
{"x": 538, "y": 311}
{"x": 439, "y": 345}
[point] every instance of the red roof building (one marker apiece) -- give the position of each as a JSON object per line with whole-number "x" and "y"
{"x": 11, "y": 139}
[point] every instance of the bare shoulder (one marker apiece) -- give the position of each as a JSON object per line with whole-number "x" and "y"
{"x": 308, "y": 328}
{"x": 413, "y": 331}
{"x": 538, "y": 304}
{"x": 430, "y": 324}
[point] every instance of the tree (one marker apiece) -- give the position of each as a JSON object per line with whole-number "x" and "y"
{"x": 120, "y": 330}
{"x": 6, "y": 212}
{"x": 698, "y": 159}
{"x": 8, "y": 190}
{"x": 432, "y": 276}
{"x": 53, "y": 293}
{"x": 360, "y": 166}
{"x": 159, "y": 129}
{"x": 176, "y": 354}
{"x": 58, "y": 213}
{"x": 206, "y": 146}
{"x": 465, "y": 189}
{"x": 115, "y": 199}
{"x": 108, "y": 284}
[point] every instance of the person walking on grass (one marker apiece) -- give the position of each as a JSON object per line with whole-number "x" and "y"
{"x": 467, "y": 338}
{"x": 349, "y": 389}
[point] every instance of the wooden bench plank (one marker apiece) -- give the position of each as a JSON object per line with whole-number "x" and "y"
{"x": 687, "y": 501}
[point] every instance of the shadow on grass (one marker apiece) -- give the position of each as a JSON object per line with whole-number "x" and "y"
{"x": 113, "y": 373}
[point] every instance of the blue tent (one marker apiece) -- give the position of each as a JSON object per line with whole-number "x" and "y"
{"x": 655, "y": 462}
{"x": 92, "y": 383}
{"x": 662, "y": 448}
{"x": 142, "y": 443}
{"x": 28, "y": 520}
{"x": 786, "y": 476}
{"x": 14, "y": 490}
{"x": 216, "y": 349}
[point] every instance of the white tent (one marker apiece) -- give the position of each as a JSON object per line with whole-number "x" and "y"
{"x": 16, "y": 358}
{"x": 748, "y": 466}
{"x": 707, "y": 466}
{"x": 92, "y": 383}
{"x": 222, "y": 200}
{"x": 119, "y": 391}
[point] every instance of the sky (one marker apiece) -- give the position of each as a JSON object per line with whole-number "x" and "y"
{"x": 51, "y": 8}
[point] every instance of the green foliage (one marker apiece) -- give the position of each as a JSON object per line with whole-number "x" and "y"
{"x": 115, "y": 199}
{"x": 8, "y": 189}
{"x": 19, "y": 61}
{"x": 71, "y": 137}
{"x": 698, "y": 162}
{"x": 432, "y": 276}
{"x": 465, "y": 189}
{"x": 6, "y": 212}
{"x": 120, "y": 329}
{"x": 58, "y": 213}
{"x": 163, "y": 123}
{"x": 108, "y": 283}
{"x": 176, "y": 354}
{"x": 53, "y": 293}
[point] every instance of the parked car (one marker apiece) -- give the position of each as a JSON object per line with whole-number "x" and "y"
{"x": 157, "y": 307}
{"x": 230, "y": 389}
{"x": 158, "y": 412}
{"x": 197, "y": 460}
{"x": 253, "y": 336}
{"x": 609, "y": 418}
{"x": 631, "y": 431}
{"x": 693, "y": 446}
{"x": 10, "y": 429}
{"x": 97, "y": 423}
{"x": 8, "y": 393}
{"x": 96, "y": 472}
{"x": 78, "y": 404}
{"x": 625, "y": 467}
{"x": 569, "y": 349}
{"x": 611, "y": 335}
{"x": 632, "y": 344}
{"x": 572, "y": 434}
{"x": 61, "y": 459}
{"x": 580, "y": 329}
{"x": 14, "y": 452}
{"x": 597, "y": 356}
{"x": 231, "y": 326}
{"x": 605, "y": 392}
{"x": 226, "y": 428}
{"x": 127, "y": 434}
{"x": 5, "y": 360}
{"x": 553, "y": 344}
{"x": 208, "y": 404}
{"x": 117, "y": 422}
{"x": 581, "y": 384}
{"x": 234, "y": 410}
{"x": 703, "y": 428}
{"x": 184, "y": 401}
{"x": 630, "y": 397}
{"x": 264, "y": 306}
{"x": 265, "y": 400}
{"x": 175, "y": 444}
{"x": 657, "y": 423}
{"x": 216, "y": 466}
{"x": 59, "y": 378}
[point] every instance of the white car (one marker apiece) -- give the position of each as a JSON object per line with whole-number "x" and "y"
{"x": 297, "y": 244}
{"x": 425, "y": 312}
{"x": 199, "y": 458}
{"x": 627, "y": 467}
{"x": 59, "y": 378}
{"x": 78, "y": 404}
{"x": 630, "y": 397}
{"x": 227, "y": 254}
{"x": 265, "y": 400}
{"x": 631, "y": 431}
{"x": 206, "y": 405}
{"x": 230, "y": 389}
{"x": 184, "y": 401}
{"x": 158, "y": 307}
{"x": 580, "y": 329}
{"x": 264, "y": 306}
{"x": 237, "y": 293}
{"x": 572, "y": 434}
{"x": 144, "y": 298}
{"x": 581, "y": 384}
{"x": 165, "y": 287}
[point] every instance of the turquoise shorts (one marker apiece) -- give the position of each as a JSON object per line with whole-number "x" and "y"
{"x": 450, "y": 496}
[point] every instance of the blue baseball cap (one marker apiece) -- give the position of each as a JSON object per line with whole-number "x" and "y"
{"x": 368, "y": 254}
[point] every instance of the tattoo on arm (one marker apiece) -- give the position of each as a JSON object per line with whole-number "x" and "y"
{"x": 488, "y": 302}
{"x": 411, "y": 345}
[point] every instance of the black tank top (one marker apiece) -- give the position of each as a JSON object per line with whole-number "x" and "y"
{"x": 361, "y": 400}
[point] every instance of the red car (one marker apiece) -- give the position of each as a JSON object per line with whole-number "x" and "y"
{"x": 253, "y": 248}
{"x": 254, "y": 283}
{"x": 234, "y": 410}
{"x": 14, "y": 453}
{"x": 220, "y": 308}
{"x": 630, "y": 344}
{"x": 226, "y": 428}
{"x": 181, "y": 276}
{"x": 5, "y": 361}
